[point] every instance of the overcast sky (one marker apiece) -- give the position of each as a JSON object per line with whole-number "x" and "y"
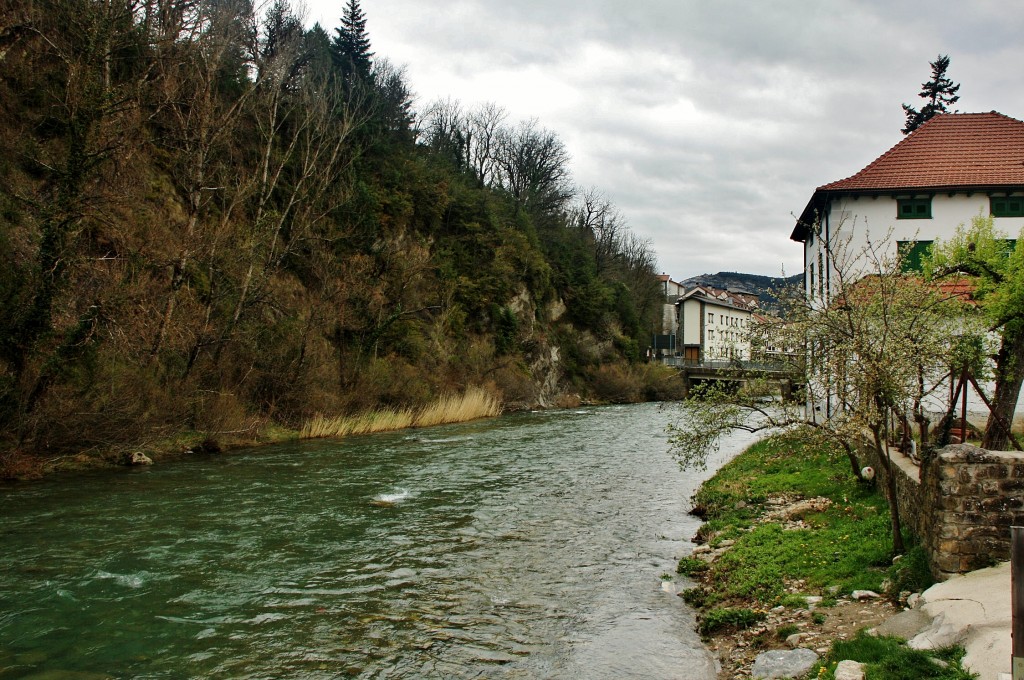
{"x": 708, "y": 123}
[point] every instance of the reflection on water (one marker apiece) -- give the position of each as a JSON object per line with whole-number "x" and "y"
{"x": 529, "y": 546}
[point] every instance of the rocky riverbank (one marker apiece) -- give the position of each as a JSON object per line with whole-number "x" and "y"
{"x": 794, "y": 559}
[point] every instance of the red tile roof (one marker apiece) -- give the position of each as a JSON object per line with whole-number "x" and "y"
{"x": 950, "y": 150}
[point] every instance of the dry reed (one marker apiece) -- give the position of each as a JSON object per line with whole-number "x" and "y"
{"x": 474, "y": 403}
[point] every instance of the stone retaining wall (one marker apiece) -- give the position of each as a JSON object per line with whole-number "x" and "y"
{"x": 973, "y": 496}
{"x": 962, "y": 502}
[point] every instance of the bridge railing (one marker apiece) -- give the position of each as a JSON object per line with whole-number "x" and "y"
{"x": 724, "y": 364}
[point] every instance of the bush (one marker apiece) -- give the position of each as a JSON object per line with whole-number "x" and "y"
{"x": 910, "y": 573}
{"x": 616, "y": 384}
{"x": 891, "y": 659}
{"x": 690, "y": 566}
{"x": 729, "y": 618}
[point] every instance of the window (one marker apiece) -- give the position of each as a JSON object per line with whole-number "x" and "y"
{"x": 821, "y": 276}
{"x": 711, "y": 317}
{"x": 1007, "y": 206}
{"x": 911, "y": 253}
{"x": 913, "y": 208}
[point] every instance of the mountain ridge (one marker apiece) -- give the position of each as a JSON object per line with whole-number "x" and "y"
{"x": 765, "y": 287}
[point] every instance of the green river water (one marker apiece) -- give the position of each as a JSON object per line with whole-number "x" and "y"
{"x": 527, "y": 546}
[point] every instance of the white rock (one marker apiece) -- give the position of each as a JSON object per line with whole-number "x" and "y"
{"x": 777, "y": 663}
{"x": 864, "y": 595}
{"x": 940, "y": 634}
{"x": 138, "y": 458}
{"x": 849, "y": 670}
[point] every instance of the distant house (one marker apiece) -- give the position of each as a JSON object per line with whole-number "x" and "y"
{"x": 665, "y": 342}
{"x": 952, "y": 168}
{"x": 714, "y": 324}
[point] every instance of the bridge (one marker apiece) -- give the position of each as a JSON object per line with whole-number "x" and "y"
{"x": 696, "y": 372}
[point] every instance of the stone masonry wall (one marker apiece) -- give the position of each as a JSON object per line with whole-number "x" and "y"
{"x": 962, "y": 503}
{"x": 973, "y": 497}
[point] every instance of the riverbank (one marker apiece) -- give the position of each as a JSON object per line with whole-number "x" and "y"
{"x": 473, "y": 404}
{"x": 796, "y": 554}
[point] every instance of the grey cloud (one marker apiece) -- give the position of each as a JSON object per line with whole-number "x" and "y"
{"x": 707, "y": 123}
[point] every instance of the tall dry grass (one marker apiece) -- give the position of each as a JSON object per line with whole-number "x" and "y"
{"x": 474, "y": 403}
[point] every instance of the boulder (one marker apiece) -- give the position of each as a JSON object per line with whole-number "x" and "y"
{"x": 907, "y": 624}
{"x": 864, "y": 595}
{"x": 849, "y": 670}
{"x": 137, "y": 458}
{"x": 941, "y": 633}
{"x": 780, "y": 663}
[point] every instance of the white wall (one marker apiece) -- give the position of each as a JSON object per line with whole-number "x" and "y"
{"x": 691, "y": 324}
{"x": 852, "y": 221}
{"x": 727, "y": 331}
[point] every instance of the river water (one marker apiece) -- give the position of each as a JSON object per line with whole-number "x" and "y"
{"x": 527, "y": 546}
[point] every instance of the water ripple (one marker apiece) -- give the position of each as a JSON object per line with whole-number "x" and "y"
{"x": 520, "y": 547}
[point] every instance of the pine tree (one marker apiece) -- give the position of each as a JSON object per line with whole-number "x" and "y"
{"x": 940, "y": 92}
{"x": 351, "y": 45}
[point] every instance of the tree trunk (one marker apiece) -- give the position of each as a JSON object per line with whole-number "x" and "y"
{"x": 1009, "y": 376}
{"x": 851, "y": 454}
{"x": 890, "y": 491}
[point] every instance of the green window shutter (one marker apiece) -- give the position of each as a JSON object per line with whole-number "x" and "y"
{"x": 1007, "y": 206}
{"x": 913, "y": 208}
{"x": 911, "y": 254}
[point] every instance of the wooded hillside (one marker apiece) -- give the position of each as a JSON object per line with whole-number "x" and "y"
{"x": 214, "y": 218}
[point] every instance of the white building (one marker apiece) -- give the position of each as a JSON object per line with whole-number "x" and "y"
{"x": 664, "y": 344}
{"x": 938, "y": 177}
{"x": 714, "y": 324}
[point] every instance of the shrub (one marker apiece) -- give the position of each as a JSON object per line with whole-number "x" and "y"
{"x": 691, "y": 566}
{"x": 783, "y": 632}
{"x": 910, "y": 573}
{"x": 728, "y": 618}
{"x": 615, "y": 383}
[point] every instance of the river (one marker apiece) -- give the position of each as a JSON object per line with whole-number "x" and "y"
{"x": 526, "y": 546}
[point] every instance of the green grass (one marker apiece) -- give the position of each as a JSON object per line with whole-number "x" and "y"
{"x": 848, "y": 545}
{"x": 888, "y": 658}
{"x": 728, "y": 618}
{"x": 691, "y": 566}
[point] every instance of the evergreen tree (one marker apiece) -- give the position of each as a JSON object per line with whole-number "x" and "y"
{"x": 351, "y": 45}
{"x": 940, "y": 91}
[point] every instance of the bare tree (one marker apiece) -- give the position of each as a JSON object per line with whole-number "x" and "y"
{"x": 866, "y": 349}
{"x": 198, "y": 121}
{"x": 485, "y": 124}
{"x": 533, "y": 167}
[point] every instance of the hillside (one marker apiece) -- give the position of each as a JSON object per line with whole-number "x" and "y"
{"x": 215, "y": 222}
{"x": 765, "y": 287}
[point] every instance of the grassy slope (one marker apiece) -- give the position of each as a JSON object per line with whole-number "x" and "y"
{"x": 845, "y": 547}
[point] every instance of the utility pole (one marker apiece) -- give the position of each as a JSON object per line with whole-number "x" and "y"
{"x": 1017, "y": 600}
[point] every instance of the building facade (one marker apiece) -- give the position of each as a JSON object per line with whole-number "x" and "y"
{"x": 714, "y": 325}
{"x": 939, "y": 177}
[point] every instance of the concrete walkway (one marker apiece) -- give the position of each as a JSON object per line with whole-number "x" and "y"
{"x": 972, "y": 610}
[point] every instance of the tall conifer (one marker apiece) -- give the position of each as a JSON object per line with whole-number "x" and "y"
{"x": 351, "y": 45}
{"x": 940, "y": 91}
